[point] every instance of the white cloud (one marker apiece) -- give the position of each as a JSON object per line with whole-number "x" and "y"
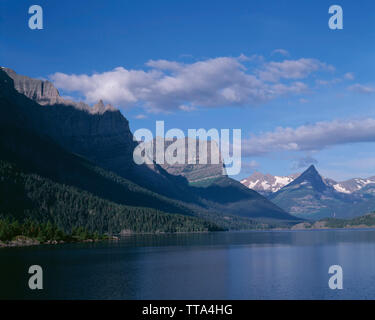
{"x": 349, "y": 76}
{"x": 328, "y": 82}
{"x": 140, "y": 116}
{"x": 304, "y": 162}
{"x": 283, "y": 52}
{"x": 360, "y": 88}
{"x": 303, "y": 100}
{"x": 165, "y": 65}
{"x": 311, "y": 137}
{"x": 291, "y": 69}
{"x": 186, "y": 108}
{"x": 169, "y": 85}
{"x": 346, "y": 77}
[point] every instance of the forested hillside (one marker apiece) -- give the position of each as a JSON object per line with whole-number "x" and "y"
{"x": 30, "y": 196}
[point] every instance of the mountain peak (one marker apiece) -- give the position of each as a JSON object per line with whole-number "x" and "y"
{"x": 257, "y": 175}
{"x": 45, "y": 93}
{"x": 41, "y": 91}
{"x": 100, "y": 108}
{"x": 312, "y": 169}
{"x": 311, "y": 176}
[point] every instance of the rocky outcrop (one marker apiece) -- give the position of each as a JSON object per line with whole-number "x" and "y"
{"x": 44, "y": 93}
{"x": 41, "y": 91}
{"x": 195, "y": 167}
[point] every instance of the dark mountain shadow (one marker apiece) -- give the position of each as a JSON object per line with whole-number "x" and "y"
{"x": 55, "y": 141}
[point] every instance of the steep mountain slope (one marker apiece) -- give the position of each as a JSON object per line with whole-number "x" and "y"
{"x": 215, "y": 189}
{"x": 37, "y": 138}
{"x": 193, "y": 169}
{"x": 100, "y": 134}
{"x": 32, "y": 152}
{"x": 307, "y": 195}
{"x": 267, "y": 184}
{"x": 30, "y": 196}
{"x": 312, "y": 179}
{"x": 228, "y": 195}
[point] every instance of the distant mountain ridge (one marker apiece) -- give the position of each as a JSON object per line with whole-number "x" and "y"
{"x": 266, "y": 184}
{"x": 353, "y": 185}
{"x": 314, "y": 197}
{"x": 309, "y": 196}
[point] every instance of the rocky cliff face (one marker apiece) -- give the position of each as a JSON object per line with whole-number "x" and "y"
{"x": 40, "y": 91}
{"x": 99, "y": 133}
{"x": 45, "y": 93}
{"x": 195, "y": 167}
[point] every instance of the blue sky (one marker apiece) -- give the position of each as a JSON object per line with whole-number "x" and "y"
{"x": 254, "y": 65}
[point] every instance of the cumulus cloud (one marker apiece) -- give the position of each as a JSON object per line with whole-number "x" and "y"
{"x": 360, "y": 88}
{"x": 346, "y": 77}
{"x": 291, "y": 69}
{"x": 349, "y": 76}
{"x": 169, "y": 85}
{"x": 283, "y": 52}
{"x": 164, "y": 65}
{"x": 310, "y": 137}
{"x": 304, "y": 162}
{"x": 186, "y": 108}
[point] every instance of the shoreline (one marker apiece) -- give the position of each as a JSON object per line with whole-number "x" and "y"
{"x": 22, "y": 241}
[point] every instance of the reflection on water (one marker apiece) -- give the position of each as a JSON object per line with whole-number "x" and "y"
{"x": 225, "y": 265}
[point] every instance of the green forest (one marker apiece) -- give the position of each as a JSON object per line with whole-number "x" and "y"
{"x": 43, "y": 232}
{"x": 28, "y": 200}
{"x": 366, "y": 220}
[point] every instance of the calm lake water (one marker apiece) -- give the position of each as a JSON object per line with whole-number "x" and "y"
{"x": 225, "y": 265}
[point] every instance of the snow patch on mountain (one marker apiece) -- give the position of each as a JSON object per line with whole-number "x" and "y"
{"x": 339, "y": 188}
{"x": 266, "y": 184}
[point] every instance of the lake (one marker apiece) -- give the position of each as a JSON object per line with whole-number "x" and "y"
{"x": 223, "y": 265}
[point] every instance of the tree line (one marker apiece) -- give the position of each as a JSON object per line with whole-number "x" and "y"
{"x": 30, "y": 198}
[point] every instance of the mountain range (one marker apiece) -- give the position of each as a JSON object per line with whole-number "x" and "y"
{"x": 87, "y": 152}
{"x": 312, "y": 196}
{"x": 267, "y": 184}
{"x": 85, "y": 155}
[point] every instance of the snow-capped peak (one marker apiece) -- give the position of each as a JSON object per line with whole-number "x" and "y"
{"x": 266, "y": 183}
